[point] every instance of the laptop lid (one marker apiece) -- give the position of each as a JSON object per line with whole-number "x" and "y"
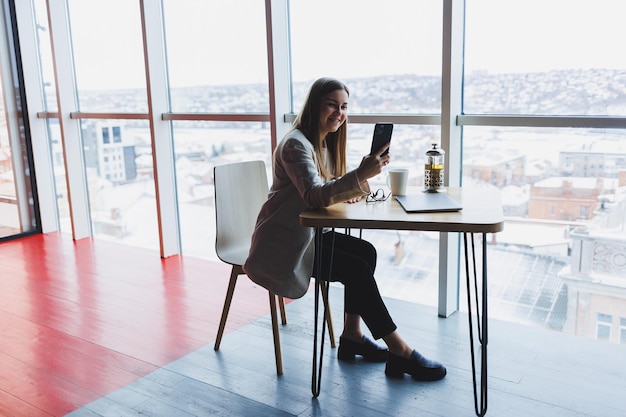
{"x": 427, "y": 203}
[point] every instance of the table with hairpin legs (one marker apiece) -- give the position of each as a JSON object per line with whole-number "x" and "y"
{"x": 481, "y": 214}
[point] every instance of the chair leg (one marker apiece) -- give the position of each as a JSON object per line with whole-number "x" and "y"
{"x": 277, "y": 353}
{"x": 229, "y": 298}
{"x": 281, "y": 306}
{"x": 329, "y": 316}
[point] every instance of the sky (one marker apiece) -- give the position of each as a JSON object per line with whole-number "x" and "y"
{"x": 223, "y": 42}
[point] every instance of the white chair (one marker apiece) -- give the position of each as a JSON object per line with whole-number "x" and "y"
{"x": 241, "y": 188}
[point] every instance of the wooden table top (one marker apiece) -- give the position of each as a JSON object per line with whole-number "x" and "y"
{"x": 481, "y": 213}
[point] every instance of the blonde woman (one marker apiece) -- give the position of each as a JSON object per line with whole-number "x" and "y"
{"x": 309, "y": 172}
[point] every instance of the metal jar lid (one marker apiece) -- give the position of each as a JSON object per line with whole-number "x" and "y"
{"x": 435, "y": 151}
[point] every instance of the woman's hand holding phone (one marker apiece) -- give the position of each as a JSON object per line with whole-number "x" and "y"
{"x": 373, "y": 164}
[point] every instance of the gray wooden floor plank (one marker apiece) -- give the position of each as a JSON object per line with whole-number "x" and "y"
{"x": 532, "y": 372}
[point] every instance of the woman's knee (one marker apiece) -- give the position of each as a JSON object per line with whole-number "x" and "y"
{"x": 363, "y": 248}
{"x": 371, "y": 249}
{"x": 368, "y": 252}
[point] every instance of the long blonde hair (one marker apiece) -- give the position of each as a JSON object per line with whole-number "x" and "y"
{"x": 308, "y": 121}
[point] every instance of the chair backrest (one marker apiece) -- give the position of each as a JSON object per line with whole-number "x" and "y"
{"x": 241, "y": 188}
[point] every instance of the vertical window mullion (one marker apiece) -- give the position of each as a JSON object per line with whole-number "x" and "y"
{"x": 70, "y": 128}
{"x": 23, "y": 16}
{"x": 279, "y": 71}
{"x": 160, "y": 130}
{"x": 451, "y": 106}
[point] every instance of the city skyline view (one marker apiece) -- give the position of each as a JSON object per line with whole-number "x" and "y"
{"x": 566, "y": 92}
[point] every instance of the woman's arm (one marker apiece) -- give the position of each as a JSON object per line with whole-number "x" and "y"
{"x": 297, "y": 160}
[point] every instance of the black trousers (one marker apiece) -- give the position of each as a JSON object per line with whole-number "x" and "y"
{"x": 353, "y": 264}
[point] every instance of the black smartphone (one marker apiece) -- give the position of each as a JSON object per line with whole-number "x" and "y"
{"x": 382, "y": 136}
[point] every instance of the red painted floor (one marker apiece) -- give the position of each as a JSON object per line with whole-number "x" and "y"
{"x": 81, "y": 319}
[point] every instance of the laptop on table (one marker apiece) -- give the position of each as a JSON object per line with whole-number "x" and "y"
{"x": 428, "y": 203}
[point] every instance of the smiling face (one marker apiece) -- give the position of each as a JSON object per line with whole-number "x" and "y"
{"x": 333, "y": 111}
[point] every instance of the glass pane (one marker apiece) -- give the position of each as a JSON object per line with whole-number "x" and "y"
{"x": 551, "y": 248}
{"x": 60, "y": 179}
{"x": 604, "y": 332}
{"x": 408, "y": 145}
{"x": 10, "y": 222}
{"x": 389, "y": 56}
{"x": 120, "y": 180}
{"x": 45, "y": 56}
{"x": 17, "y": 211}
{"x": 538, "y": 57}
{"x": 51, "y": 105}
{"x": 199, "y": 146}
{"x": 217, "y": 56}
{"x": 407, "y": 265}
{"x": 108, "y": 56}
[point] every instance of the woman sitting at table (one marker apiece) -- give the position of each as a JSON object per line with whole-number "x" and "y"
{"x": 310, "y": 172}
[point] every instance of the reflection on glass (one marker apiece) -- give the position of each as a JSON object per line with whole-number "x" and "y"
{"x": 564, "y": 241}
{"x": 517, "y": 62}
{"x": 217, "y": 56}
{"x": 120, "y": 181}
{"x": 108, "y": 56}
{"x": 198, "y": 148}
{"x": 389, "y": 56}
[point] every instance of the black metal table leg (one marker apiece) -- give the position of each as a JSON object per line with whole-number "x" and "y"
{"x": 316, "y": 380}
{"x": 480, "y": 400}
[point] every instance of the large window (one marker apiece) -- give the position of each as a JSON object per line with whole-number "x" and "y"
{"x": 389, "y": 56}
{"x": 120, "y": 181}
{"x": 537, "y": 57}
{"x": 217, "y": 63}
{"x": 553, "y": 182}
{"x": 542, "y": 120}
{"x": 217, "y": 56}
{"x": 108, "y": 56}
{"x": 563, "y": 184}
{"x": 388, "y": 53}
{"x": 200, "y": 146}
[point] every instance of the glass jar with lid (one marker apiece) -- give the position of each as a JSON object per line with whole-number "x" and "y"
{"x": 433, "y": 170}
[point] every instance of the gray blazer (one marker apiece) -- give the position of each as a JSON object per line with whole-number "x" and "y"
{"x": 282, "y": 252}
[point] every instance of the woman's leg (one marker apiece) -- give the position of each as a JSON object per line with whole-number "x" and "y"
{"x": 353, "y": 264}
